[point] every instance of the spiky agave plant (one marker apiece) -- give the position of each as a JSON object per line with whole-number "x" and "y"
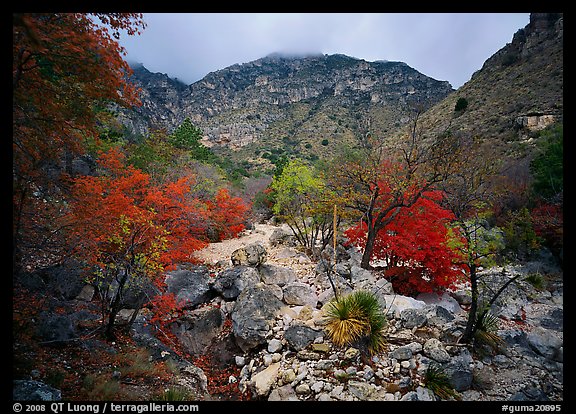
{"x": 356, "y": 318}
{"x": 438, "y": 382}
{"x": 487, "y": 325}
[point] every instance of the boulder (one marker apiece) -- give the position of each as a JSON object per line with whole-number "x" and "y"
{"x": 262, "y": 381}
{"x": 29, "y": 390}
{"x": 413, "y": 318}
{"x": 252, "y": 255}
{"x": 277, "y": 275}
{"x": 254, "y": 316}
{"x": 230, "y": 282}
{"x": 300, "y": 336}
{"x": 190, "y": 286}
{"x": 197, "y": 329}
{"x": 297, "y": 293}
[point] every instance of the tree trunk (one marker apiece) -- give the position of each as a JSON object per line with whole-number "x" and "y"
{"x": 471, "y": 323}
{"x": 115, "y": 306}
{"x": 370, "y": 242}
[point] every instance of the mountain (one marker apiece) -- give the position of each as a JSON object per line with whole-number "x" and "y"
{"x": 518, "y": 90}
{"x": 255, "y": 112}
{"x": 279, "y": 104}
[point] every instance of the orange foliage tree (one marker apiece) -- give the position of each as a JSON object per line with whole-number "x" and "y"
{"x": 64, "y": 65}
{"x": 129, "y": 231}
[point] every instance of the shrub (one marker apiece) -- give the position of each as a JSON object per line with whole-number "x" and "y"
{"x": 356, "y": 319}
{"x": 461, "y": 105}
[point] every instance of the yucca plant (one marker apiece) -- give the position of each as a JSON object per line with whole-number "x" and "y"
{"x": 487, "y": 325}
{"x": 356, "y": 319}
{"x": 438, "y": 382}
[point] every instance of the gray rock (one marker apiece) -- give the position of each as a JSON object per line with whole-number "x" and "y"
{"x": 459, "y": 371}
{"x": 401, "y": 353}
{"x": 274, "y": 345}
{"x": 230, "y": 282}
{"x": 413, "y": 318}
{"x": 190, "y": 286}
{"x": 434, "y": 349}
{"x": 529, "y": 393}
{"x": 284, "y": 393}
{"x": 29, "y": 390}
{"x": 277, "y": 275}
{"x": 280, "y": 236}
{"x": 254, "y": 315}
{"x": 197, "y": 329}
{"x": 252, "y": 255}
{"x": 53, "y": 327}
{"x": 546, "y": 343}
{"x": 297, "y": 293}
{"x": 300, "y": 336}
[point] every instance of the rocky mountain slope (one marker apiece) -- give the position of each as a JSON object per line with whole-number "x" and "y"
{"x": 279, "y": 104}
{"x": 517, "y": 91}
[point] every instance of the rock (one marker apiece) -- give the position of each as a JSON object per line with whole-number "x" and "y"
{"x": 434, "y": 349}
{"x": 413, "y": 318}
{"x": 284, "y": 393}
{"x": 281, "y": 236}
{"x": 321, "y": 347}
{"x": 252, "y": 255}
{"x": 351, "y": 353}
{"x": 401, "y": 353}
{"x": 398, "y": 303}
{"x": 445, "y": 300}
{"x": 297, "y": 293}
{"x": 302, "y": 389}
{"x": 193, "y": 380}
{"x": 190, "y": 286}
{"x": 288, "y": 376}
{"x": 230, "y": 282}
{"x": 197, "y": 329}
{"x": 362, "y": 390}
{"x": 64, "y": 281}
{"x": 277, "y": 275}
{"x": 529, "y": 393}
{"x": 30, "y": 390}
{"x": 462, "y": 296}
{"x": 459, "y": 371}
{"x": 425, "y": 394}
{"x": 263, "y": 381}
{"x": 546, "y": 343}
{"x": 53, "y": 327}
{"x": 300, "y": 336}
{"x": 274, "y": 345}
{"x": 254, "y": 315}
{"x": 86, "y": 294}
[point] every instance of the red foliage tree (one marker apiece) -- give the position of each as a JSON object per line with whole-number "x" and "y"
{"x": 226, "y": 215}
{"x": 414, "y": 247}
{"x": 131, "y": 231}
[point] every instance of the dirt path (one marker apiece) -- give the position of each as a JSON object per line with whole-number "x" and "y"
{"x": 216, "y": 252}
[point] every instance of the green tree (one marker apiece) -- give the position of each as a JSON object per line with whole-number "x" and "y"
{"x": 187, "y": 136}
{"x": 304, "y": 201}
{"x": 547, "y": 167}
{"x": 461, "y": 104}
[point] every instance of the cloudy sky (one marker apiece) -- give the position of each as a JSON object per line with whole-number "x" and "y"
{"x": 444, "y": 46}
